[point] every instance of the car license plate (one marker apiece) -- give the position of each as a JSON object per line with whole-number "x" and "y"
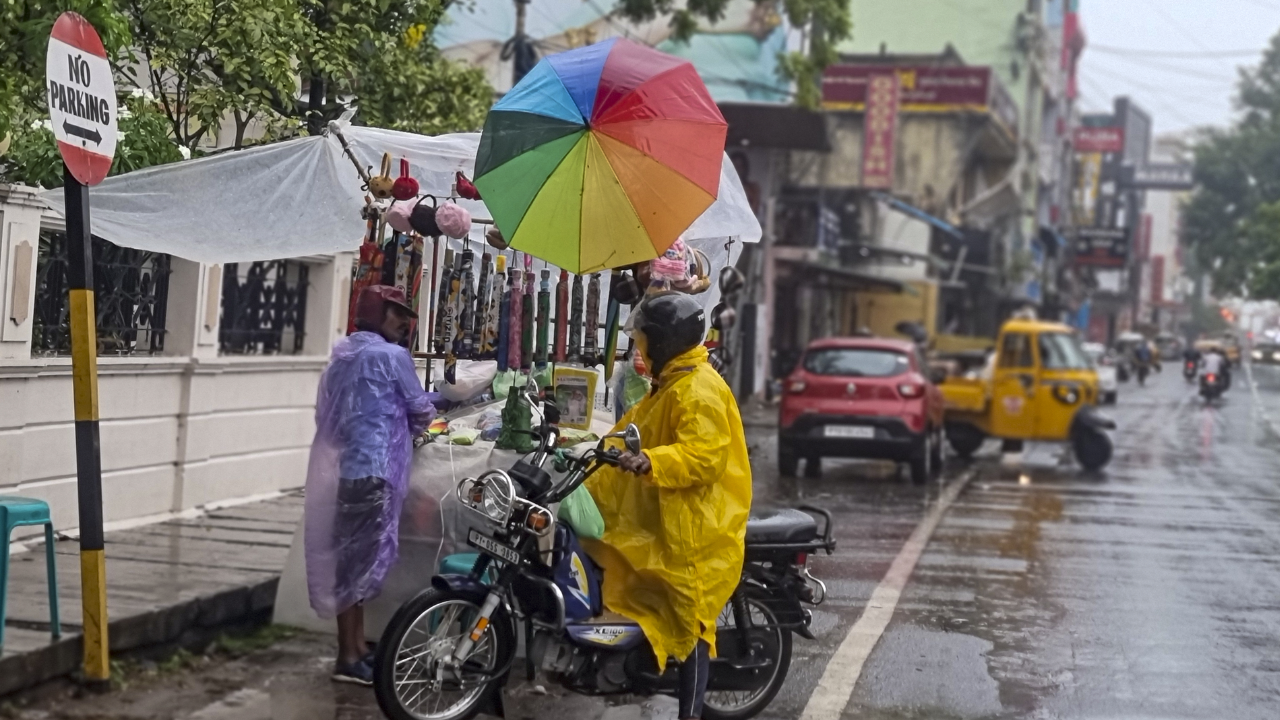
{"x": 503, "y": 552}
{"x": 861, "y": 432}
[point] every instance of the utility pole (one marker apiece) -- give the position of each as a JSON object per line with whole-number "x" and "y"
{"x": 519, "y": 48}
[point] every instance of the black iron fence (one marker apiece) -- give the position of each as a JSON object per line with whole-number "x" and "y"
{"x": 131, "y": 295}
{"x": 264, "y": 307}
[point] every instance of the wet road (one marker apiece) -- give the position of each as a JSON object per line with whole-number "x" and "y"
{"x": 1149, "y": 591}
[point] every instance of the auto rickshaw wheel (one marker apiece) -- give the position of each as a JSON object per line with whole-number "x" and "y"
{"x": 965, "y": 439}
{"x": 1092, "y": 447}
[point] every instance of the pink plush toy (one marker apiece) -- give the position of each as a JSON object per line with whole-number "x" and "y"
{"x": 453, "y": 220}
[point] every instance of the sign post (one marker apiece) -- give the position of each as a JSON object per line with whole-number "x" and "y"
{"x": 82, "y": 110}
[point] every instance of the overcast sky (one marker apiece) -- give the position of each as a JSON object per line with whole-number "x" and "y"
{"x": 1175, "y": 58}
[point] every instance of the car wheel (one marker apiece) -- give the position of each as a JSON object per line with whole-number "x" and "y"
{"x": 921, "y": 463}
{"x": 787, "y": 461}
{"x": 965, "y": 439}
{"x": 813, "y": 467}
{"x": 936, "y": 451}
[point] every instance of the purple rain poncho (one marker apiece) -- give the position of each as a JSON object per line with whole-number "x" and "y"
{"x": 369, "y": 408}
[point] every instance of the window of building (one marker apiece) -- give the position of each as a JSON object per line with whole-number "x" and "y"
{"x": 131, "y": 294}
{"x": 264, "y": 308}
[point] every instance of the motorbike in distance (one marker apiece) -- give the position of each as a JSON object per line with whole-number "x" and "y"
{"x": 1212, "y": 385}
{"x": 1190, "y": 368}
{"x": 447, "y": 653}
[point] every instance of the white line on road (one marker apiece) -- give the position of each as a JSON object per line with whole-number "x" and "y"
{"x": 845, "y": 667}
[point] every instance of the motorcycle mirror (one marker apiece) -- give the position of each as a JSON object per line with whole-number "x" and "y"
{"x": 630, "y": 437}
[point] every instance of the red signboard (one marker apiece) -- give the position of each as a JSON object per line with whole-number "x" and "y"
{"x": 1099, "y": 139}
{"x": 879, "y": 129}
{"x": 921, "y": 86}
{"x": 82, "y": 98}
{"x": 1157, "y": 280}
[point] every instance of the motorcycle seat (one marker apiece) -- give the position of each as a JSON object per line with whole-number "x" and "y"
{"x": 785, "y": 526}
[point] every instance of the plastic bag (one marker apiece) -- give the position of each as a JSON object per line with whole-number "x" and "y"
{"x": 507, "y": 379}
{"x": 580, "y": 511}
{"x": 472, "y": 379}
{"x": 464, "y": 436}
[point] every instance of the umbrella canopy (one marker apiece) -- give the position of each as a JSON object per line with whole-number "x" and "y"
{"x": 601, "y": 156}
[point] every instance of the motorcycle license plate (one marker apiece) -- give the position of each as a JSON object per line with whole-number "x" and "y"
{"x": 499, "y": 550}
{"x": 849, "y": 431}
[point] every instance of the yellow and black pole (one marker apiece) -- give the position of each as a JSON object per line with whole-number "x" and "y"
{"x": 84, "y": 371}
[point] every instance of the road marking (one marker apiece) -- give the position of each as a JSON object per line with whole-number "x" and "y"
{"x": 845, "y": 667}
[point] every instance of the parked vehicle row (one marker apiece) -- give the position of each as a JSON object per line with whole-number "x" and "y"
{"x": 874, "y": 398}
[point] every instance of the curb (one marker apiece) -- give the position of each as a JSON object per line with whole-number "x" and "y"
{"x": 190, "y": 625}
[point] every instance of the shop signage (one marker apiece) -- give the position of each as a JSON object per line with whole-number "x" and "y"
{"x": 923, "y": 89}
{"x": 1161, "y": 176}
{"x": 1099, "y": 139}
{"x": 1102, "y": 247}
{"x": 879, "y": 130}
{"x": 82, "y": 98}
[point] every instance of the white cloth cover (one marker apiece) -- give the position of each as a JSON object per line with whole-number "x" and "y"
{"x": 302, "y": 197}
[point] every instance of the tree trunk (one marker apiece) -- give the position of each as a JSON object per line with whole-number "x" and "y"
{"x": 315, "y": 106}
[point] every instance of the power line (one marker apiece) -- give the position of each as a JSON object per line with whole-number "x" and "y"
{"x": 1174, "y": 54}
{"x": 1191, "y": 37}
{"x": 1187, "y": 72}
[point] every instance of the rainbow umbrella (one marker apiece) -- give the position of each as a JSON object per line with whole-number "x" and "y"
{"x": 601, "y": 156}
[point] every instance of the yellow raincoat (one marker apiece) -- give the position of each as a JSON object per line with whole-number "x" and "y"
{"x": 672, "y": 548}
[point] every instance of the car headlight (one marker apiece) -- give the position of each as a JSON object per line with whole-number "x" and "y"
{"x": 1257, "y": 355}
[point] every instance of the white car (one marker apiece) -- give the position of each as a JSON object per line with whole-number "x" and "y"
{"x": 1105, "y": 365}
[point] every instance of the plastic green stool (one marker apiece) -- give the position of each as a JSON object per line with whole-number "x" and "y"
{"x": 16, "y": 512}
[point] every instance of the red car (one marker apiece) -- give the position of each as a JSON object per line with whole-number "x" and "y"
{"x": 860, "y": 398}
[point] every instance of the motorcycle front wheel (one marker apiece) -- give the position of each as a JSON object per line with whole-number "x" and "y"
{"x": 772, "y": 645}
{"x": 413, "y": 677}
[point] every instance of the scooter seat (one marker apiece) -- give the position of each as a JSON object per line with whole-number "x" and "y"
{"x": 781, "y": 527}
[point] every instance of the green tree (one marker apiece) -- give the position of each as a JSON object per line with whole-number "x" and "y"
{"x": 1232, "y": 222}
{"x": 256, "y": 70}
{"x": 823, "y": 23}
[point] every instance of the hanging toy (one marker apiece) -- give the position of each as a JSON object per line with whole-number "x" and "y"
{"x": 466, "y": 188}
{"x": 493, "y": 236}
{"x": 422, "y": 217}
{"x": 380, "y": 185}
{"x": 453, "y": 220}
{"x": 405, "y": 187}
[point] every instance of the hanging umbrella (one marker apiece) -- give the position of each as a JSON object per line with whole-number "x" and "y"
{"x": 601, "y": 156}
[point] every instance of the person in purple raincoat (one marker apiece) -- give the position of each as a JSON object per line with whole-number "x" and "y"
{"x": 370, "y": 407}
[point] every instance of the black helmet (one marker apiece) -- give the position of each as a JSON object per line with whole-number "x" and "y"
{"x": 671, "y": 322}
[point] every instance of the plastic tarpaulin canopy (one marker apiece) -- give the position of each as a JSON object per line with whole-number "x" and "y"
{"x": 302, "y": 197}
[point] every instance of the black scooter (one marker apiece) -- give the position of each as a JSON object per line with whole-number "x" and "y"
{"x": 1189, "y": 369}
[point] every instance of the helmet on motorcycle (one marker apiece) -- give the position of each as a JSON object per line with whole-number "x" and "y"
{"x": 665, "y": 325}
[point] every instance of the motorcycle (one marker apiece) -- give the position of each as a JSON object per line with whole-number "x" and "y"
{"x": 1189, "y": 370}
{"x": 447, "y": 653}
{"x": 1142, "y": 369}
{"x": 1212, "y": 385}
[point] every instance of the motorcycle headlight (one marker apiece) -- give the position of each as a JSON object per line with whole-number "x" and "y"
{"x": 491, "y": 495}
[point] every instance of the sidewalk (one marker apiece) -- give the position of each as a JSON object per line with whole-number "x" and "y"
{"x": 175, "y": 583}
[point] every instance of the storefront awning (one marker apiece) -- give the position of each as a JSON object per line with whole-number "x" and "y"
{"x": 843, "y": 278}
{"x": 919, "y": 214}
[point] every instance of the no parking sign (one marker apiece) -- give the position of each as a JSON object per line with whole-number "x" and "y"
{"x": 82, "y": 98}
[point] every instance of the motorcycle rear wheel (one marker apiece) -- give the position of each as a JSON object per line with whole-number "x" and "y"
{"x": 743, "y": 704}
{"x": 425, "y": 630}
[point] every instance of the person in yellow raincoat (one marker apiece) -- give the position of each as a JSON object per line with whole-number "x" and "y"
{"x": 676, "y": 514}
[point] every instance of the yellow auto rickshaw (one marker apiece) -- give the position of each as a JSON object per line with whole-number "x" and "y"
{"x": 1037, "y": 385}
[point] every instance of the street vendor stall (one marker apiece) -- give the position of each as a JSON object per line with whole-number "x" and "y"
{"x": 642, "y": 194}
